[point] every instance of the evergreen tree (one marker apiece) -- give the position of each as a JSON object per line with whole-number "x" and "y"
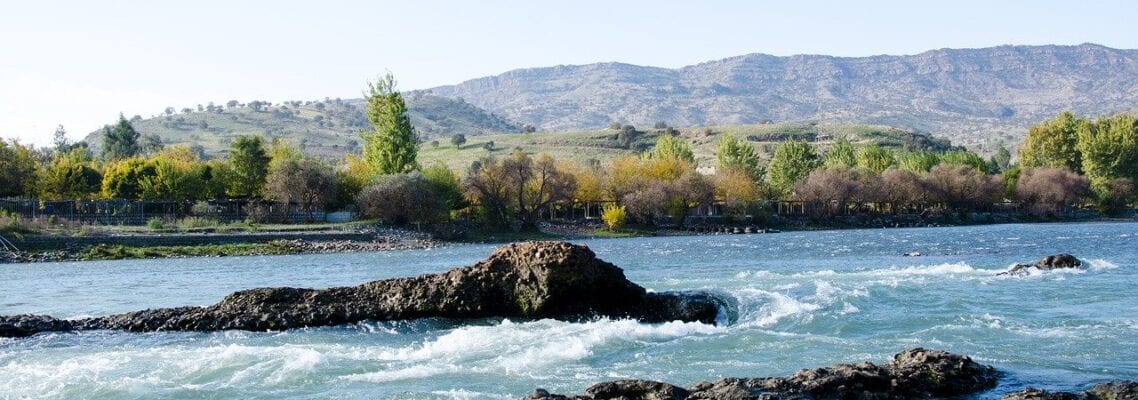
{"x": 393, "y": 146}
{"x": 120, "y": 141}
{"x": 735, "y": 154}
{"x": 250, "y": 166}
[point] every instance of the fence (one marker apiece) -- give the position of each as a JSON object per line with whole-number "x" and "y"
{"x": 138, "y": 212}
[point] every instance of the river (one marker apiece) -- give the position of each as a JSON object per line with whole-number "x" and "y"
{"x": 802, "y": 300}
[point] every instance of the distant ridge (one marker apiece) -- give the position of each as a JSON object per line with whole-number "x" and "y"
{"x": 968, "y": 95}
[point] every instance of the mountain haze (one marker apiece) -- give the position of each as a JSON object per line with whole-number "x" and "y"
{"x": 971, "y": 96}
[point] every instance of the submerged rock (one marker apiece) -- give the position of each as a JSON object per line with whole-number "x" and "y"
{"x": 914, "y": 373}
{"x": 1119, "y": 390}
{"x": 1057, "y": 261}
{"x": 521, "y": 280}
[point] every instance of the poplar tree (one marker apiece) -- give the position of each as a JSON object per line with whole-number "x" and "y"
{"x": 393, "y": 146}
{"x": 735, "y": 154}
{"x": 250, "y": 166}
{"x": 792, "y": 162}
{"x": 120, "y": 141}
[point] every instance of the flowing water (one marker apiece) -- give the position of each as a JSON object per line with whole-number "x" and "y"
{"x": 801, "y": 300}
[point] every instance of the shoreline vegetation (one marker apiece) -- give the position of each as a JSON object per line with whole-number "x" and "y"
{"x": 88, "y": 243}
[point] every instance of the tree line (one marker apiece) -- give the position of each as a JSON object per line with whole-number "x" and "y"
{"x": 1065, "y": 161}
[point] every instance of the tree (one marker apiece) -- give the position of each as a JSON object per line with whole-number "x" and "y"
{"x": 917, "y": 161}
{"x": 446, "y": 186}
{"x": 250, "y": 166}
{"x": 965, "y": 157}
{"x": 1053, "y": 144}
{"x": 875, "y": 158}
{"x": 1047, "y": 190}
{"x": 59, "y": 139}
{"x": 671, "y": 148}
{"x": 458, "y": 140}
{"x": 1109, "y": 151}
{"x": 829, "y": 190}
{"x": 120, "y": 141}
{"x": 70, "y": 176}
{"x": 175, "y": 176}
{"x": 735, "y": 154}
{"x": 1002, "y": 159}
{"x": 150, "y": 144}
{"x": 393, "y": 146}
{"x": 401, "y": 199}
{"x": 527, "y": 128}
{"x": 962, "y": 187}
{"x": 232, "y": 104}
{"x": 122, "y": 179}
{"x": 613, "y": 217}
{"x": 518, "y": 186}
{"x": 840, "y": 154}
{"x": 18, "y": 169}
{"x": 307, "y": 182}
{"x": 792, "y": 162}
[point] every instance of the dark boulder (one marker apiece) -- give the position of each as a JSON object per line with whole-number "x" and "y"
{"x": 27, "y": 325}
{"x": 521, "y": 280}
{"x": 915, "y": 373}
{"x": 1119, "y": 390}
{"x": 1058, "y": 261}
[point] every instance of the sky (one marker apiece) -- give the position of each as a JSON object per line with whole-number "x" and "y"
{"x": 81, "y": 63}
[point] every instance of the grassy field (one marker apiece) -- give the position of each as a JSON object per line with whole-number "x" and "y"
{"x": 605, "y": 144}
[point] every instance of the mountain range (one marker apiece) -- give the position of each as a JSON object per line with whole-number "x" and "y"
{"x": 972, "y": 96}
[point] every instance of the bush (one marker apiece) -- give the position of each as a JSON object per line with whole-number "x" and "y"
{"x": 401, "y": 199}
{"x": 613, "y": 216}
{"x": 155, "y": 223}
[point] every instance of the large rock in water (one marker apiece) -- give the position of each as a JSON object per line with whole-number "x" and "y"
{"x": 1117, "y": 390}
{"x": 520, "y": 280}
{"x": 1057, "y": 261}
{"x": 913, "y": 374}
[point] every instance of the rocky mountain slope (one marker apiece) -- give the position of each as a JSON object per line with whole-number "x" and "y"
{"x": 971, "y": 96}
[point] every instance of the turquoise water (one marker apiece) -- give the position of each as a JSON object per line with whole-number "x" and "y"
{"x": 803, "y": 299}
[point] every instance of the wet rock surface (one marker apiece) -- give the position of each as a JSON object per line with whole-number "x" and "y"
{"x": 520, "y": 280}
{"x": 915, "y": 373}
{"x": 1058, "y": 261}
{"x": 1119, "y": 390}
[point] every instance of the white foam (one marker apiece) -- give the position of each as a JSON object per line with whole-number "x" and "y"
{"x": 1098, "y": 264}
{"x": 774, "y": 307}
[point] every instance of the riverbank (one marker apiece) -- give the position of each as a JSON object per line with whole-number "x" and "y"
{"x": 139, "y": 244}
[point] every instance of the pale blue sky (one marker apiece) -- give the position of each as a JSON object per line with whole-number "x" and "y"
{"x": 80, "y": 63}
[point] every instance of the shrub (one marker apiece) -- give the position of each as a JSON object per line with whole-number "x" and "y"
{"x": 613, "y": 216}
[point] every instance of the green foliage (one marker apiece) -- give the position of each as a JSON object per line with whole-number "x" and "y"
{"x": 122, "y": 179}
{"x": 1053, "y": 144}
{"x": 174, "y": 177}
{"x": 446, "y": 186}
{"x": 250, "y": 167}
{"x": 1109, "y": 151}
{"x": 735, "y": 154}
{"x": 840, "y": 154}
{"x": 965, "y": 157}
{"x": 70, "y": 176}
{"x": 120, "y": 141}
{"x": 614, "y": 216}
{"x": 393, "y": 146}
{"x": 1002, "y": 160}
{"x": 792, "y": 162}
{"x": 875, "y": 158}
{"x": 672, "y": 148}
{"x": 18, "y": 169}
{"x": 918, "y": 161}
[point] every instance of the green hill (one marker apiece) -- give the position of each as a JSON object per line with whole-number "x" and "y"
{"x": 328, "y": 128}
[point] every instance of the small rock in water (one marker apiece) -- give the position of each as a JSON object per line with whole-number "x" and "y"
{"x": 1058, "y": 261}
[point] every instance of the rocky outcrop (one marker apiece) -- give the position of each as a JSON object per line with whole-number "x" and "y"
{"x": 914, "y": 373}
{"x": 1057, "y": 261}
{"x": 521, "y": 280}
{"x": 1120, "y": 390}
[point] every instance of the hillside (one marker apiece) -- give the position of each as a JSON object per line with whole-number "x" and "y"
{"x": 603, "y": 145}
{"x": 971, "y": 96}
{"x": 328, "y": 128}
